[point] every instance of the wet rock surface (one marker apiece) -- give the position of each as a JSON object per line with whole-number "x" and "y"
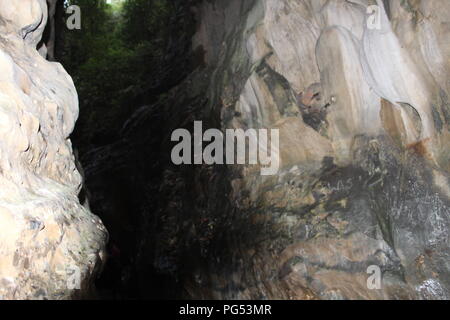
{"x": 364, "y": 176}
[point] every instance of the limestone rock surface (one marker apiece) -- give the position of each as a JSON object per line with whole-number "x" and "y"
{"x": 51, "y": 247}
{"x": 365, "y": 180}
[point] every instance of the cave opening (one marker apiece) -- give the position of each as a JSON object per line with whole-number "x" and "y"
{"x": 124, "y": 59}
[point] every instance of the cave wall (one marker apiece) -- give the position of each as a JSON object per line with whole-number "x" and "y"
{"x": 364, "y": 167}
{"x": 48, "y": 240}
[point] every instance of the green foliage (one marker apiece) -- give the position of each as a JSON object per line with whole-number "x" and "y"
{"x": 144, "y": 19}
{"x": 110, "y": 59}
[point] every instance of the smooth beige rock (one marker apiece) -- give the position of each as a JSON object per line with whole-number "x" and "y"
{"x": 329, "y": 42}
{"x": 45, "y": 232}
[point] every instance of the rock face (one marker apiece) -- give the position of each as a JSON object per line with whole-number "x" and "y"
{"x": 48, "y": 240}
{"x": 363, "y": 113}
